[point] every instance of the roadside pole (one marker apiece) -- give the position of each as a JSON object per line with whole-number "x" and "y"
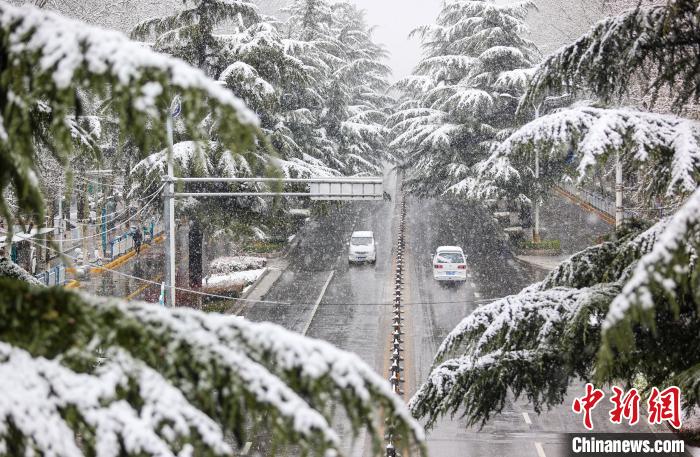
{"x": 536, "y": 203}
{"x": 619, "y": 210}
{"x": 536, "y": 232}
{"x": 169, "y": 210}
{"x": 59, "y": 229}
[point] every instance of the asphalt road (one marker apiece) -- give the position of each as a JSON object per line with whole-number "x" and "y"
{"x": 347, "y": 306}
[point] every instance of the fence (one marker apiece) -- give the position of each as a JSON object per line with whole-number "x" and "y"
{"x": 597, "y": 201}
{"x": 125, "y": 242}
{"x": 55, "y": 276}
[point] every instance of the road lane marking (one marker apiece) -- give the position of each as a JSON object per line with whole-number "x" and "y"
{"x": 318, "y": 302}
{"x": 540, "y": 449}
{"x": 477, "y": 295}
{"x": 246, "y": 448}
{"x": 527, "y": 418}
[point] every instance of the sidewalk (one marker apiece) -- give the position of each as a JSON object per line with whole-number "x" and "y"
{"x": 148, "y": 265}
{"x": 572, "y": 225}
{"x": 543, "y": 262}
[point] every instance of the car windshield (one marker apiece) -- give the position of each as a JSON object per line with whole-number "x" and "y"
{"x": 361, "y": 240}
{"x": 449, "y": 257}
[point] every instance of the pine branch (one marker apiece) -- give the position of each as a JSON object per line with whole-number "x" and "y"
{"x": 141, "y": 85}
{"x": 652, "y": 46}
{"x": 226, "y": 369}
{"x": 664, "y": 148}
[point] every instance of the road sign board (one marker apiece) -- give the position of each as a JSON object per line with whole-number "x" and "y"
{"x": 362, "y": 189}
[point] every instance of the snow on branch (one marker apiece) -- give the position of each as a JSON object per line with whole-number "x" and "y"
{"x": 127, "y": 407}
{"x": 535, "y": 343}
{"x": 229, "y": 370}
{"x": 665, "y": 275}
{"x": 653, "y": 46}
{"x": 54, "y": 58}
{"x": 67, "y": 48}
{"x": 668, "y": 142}
{"x": 531, "y": 316}
{"x": 215, "y": 11}
{"x": 9, "y": 269}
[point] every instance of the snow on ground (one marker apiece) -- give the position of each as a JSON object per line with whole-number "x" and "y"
{"x": 224, "y": 265}
{"x": 246, "y": 278}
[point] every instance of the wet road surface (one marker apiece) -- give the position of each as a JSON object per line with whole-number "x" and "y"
{"x": 353, "y": 310}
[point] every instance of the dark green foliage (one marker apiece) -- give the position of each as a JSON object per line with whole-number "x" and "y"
{"x": 62, "y": 325}
{"x": 652, "y": 47}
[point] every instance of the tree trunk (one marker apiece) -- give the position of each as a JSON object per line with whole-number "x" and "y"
{"x": 195, "y": 255}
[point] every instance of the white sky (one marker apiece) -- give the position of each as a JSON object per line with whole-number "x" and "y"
{"x": 394, "y": 20}
{"x": 556, "y": 22}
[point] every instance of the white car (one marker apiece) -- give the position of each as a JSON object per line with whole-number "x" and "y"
{"x": 362, "y": 247}
{"x": 449, "y": 264}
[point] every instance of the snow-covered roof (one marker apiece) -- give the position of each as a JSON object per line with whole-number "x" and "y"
{"x": 363, "y": 234}
{"x": 449, "y": 249}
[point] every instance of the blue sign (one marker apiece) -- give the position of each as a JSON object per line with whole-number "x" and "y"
{"x": 175, "y": 107}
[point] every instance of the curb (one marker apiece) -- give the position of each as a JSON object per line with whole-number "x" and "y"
{"x": 532, "y": 265}
{"x": 257, "y": 282}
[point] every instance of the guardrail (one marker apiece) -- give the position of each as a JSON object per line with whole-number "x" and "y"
{"x": 55, "y": 276}
{"x": 595, "y": 200}
{"x": 598, "y": 202}
{"x": 124, "y": 243}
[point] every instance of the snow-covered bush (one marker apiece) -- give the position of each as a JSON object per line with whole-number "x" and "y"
{"x": 236, "y": 263}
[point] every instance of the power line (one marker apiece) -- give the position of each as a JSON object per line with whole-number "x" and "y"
{"x": 271, "y": 302}
{"x": 116, "y": 227}
{"x": 119, "y": 213}
{"x": 146, "y": 205}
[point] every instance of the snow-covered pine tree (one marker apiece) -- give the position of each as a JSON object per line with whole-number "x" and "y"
{"x": 623, "y": 310}
{"x": 463, "y": 95}
{"x": 164, "y": 382}
{"x": 362, "y": 134}
{"x": 190, "y": 34}
{"x": 343, "y": 105}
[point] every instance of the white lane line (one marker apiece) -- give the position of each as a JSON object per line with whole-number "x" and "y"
{"x": 318, "y": 302}
{"x": 527, "y": 418}
{"x": 477, "y": 295}
{"x": 540, "y": 449}
{"x": 246, "y": 448}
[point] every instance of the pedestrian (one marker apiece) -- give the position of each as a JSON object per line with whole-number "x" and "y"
{"x": 138, "y": 237}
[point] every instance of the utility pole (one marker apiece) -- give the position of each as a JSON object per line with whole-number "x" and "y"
{"x": 536, "y": 203}
{"x": 536, "y": 231}
{"x": 619, "y": 210}
{"x": 169, "y": 209}
{"x": 59, "y": 229}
